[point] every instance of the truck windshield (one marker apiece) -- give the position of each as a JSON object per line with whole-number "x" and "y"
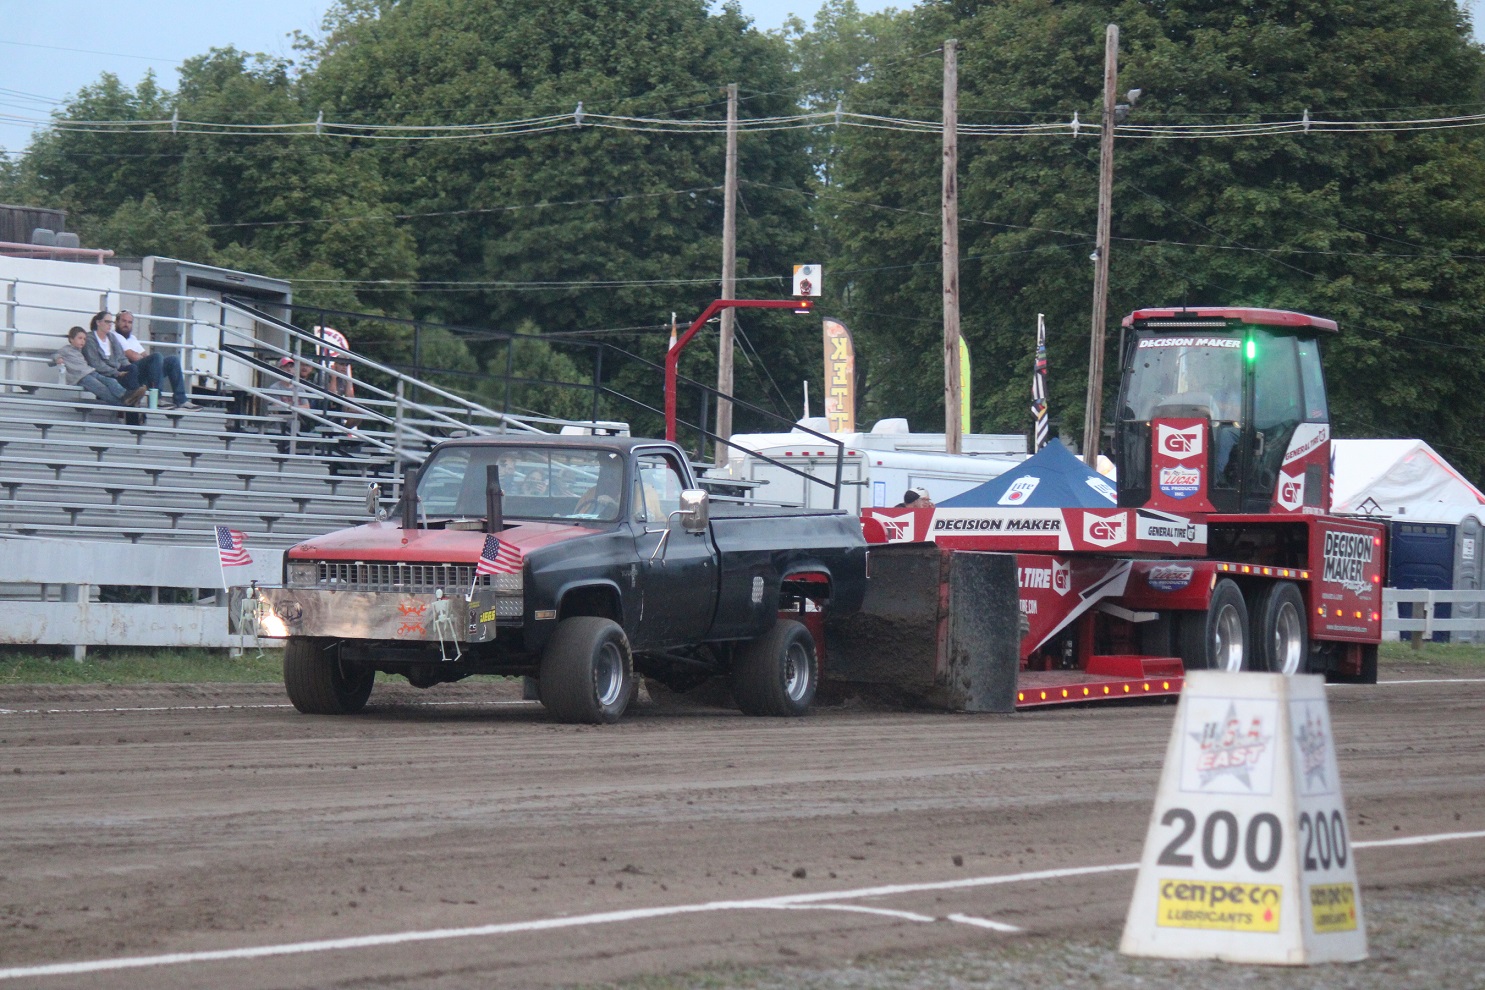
{"x": 539, "y": 482}
{"x": 1198, "y": 376}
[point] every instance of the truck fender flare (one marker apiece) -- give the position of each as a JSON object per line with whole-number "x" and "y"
{"x": 810, "y": 572}
{"x": 603, "y": 586}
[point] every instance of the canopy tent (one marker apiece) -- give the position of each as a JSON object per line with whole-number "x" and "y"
{"x": 1406, "y": 479}
{"x": 1052, "y": 478}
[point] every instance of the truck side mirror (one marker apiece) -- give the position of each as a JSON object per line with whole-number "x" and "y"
{"x": 695, "y": 510}
{"x": 373, "y": 499}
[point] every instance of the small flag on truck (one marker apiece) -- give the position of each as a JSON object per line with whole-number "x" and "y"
{"x": 498, "y": 558}
{"x": 229, "y": 547}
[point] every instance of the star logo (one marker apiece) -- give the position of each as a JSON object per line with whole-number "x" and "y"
{"x": 1313, "y": 748}
{"x": 1225, "y": 747}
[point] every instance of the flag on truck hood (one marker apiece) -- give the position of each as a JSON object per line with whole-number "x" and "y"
{"x": 499, "y": 557}
{"x": 229, "y": 547}
{"x": 1052, "y": 478}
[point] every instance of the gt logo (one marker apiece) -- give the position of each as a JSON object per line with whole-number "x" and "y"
{"x": 1061, "y": 577}
{"x": 1104, "y": 531}
{"x": 1181, "y": 444}
{"x": 1291, "y": 491}
{"x": 897, "y": 529}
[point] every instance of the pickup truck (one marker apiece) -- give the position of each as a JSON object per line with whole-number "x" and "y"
{"x": 579, "y": 562}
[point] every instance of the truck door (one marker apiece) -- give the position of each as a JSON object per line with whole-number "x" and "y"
{"x": 679, "y": 587}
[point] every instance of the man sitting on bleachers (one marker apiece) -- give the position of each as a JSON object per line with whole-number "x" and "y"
{"x": 79, "y": 372}
{"x": 169, "y": 364}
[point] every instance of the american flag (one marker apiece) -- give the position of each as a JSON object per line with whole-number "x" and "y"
{"x": 498, "y": 558}
{"x": 1039, "y": 385}
{"x": 229, "y": 547}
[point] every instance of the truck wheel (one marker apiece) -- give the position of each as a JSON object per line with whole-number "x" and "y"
{"x": 586, "y": 671}
{"x": 1281, "y": 637}
{"x": 1217, "y": 639}
{"x": 776, "y": 674}
{"x": 319, "y": 682}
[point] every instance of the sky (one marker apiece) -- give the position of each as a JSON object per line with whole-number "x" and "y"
{"x": 51, "y": 48}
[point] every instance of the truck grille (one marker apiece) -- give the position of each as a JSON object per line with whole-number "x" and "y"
{"x": 411, "y": 578}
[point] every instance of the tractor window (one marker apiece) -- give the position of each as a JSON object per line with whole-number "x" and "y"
{"x": 1278, "y": 407}
{"x": 1277, "y": 396}
{"x": 1197, "y": 376}
{"x": 1316, "y": 410}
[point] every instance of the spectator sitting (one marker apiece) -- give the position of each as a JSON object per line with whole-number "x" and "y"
{"x": 169, "y": 368}
{"x": 79, "y": 372}
{"x": 294, "y": 391}
{"x": 915, "y": 498}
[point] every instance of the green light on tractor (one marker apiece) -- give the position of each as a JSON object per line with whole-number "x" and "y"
{"x": 1252, "y": 350}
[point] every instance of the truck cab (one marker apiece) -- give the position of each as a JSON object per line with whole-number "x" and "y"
{"x": 1223, "y": 410}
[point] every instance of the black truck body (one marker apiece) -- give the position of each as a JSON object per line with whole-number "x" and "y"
{"x": 603, "y": 549}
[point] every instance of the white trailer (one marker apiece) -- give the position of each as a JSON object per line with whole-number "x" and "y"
{"x": 877, "y": 468}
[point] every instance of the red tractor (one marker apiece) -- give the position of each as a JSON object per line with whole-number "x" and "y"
{"x": 1216, "y": 550}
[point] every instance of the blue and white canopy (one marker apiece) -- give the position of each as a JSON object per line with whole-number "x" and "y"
{"x": 1052, "y": 478}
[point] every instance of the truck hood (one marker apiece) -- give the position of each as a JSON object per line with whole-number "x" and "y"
{"x": 389, "y": 542}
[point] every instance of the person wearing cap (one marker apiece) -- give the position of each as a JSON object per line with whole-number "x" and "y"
{"x": 915, "y": 498}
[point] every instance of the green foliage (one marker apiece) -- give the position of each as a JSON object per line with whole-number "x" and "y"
{"x": 1383, "y": 232}
{"x": 117, "y": 665}
{"x": 1368, "y": 229}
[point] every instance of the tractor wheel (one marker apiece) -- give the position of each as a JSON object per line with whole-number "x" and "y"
{"x": 1281, "y": 636}
{"x": 319, "y": 682}
{"x": 587, "y": 672}
{"x": 776, "y": 674}
{"x": 1218, "y": 638}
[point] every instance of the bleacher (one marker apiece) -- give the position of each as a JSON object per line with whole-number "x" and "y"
{"x": 95, "y": 496}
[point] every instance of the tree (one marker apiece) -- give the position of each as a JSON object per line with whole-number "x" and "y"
{"x": 1380, "y": 231}
{"x": 519, "y": 224}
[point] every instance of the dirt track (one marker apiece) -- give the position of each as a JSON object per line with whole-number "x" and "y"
{"x": 136, "y": 832}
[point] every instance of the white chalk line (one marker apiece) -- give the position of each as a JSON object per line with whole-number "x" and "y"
{"x": 209, "y": 708}
{"x": 994, "y": 926}
{"x": 821, "y": 899}
{"x": 1430, "y": 680}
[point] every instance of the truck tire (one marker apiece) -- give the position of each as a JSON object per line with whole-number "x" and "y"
{"x": 587, "y": 672}
{"x": 776, "y": 674}
{"x": 319, "y": 683}
{"x": 1281, "y": 636}
{"x": 1218, "y": 638}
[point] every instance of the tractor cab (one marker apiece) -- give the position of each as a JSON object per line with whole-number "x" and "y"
{"x": 1223, "y": 410}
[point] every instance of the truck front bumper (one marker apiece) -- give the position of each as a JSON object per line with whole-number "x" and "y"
{"x": 377, "y": 615}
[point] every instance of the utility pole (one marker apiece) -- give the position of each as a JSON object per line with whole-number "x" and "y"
{"x": 953, "y": 428}
{"x": 729, "y": 279}
{"x": 1093, "y": 414}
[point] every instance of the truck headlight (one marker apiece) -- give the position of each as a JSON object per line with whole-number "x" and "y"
{"x": 302, "y": 574}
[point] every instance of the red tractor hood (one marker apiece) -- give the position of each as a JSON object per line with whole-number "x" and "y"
{"x": 386, "y": 541}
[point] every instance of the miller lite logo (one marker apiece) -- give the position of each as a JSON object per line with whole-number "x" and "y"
{"x": 1181, "y": 444}
{"x": 1019, "y": 491}
{"x": 1291, "y": 491}
{"x": 1105, "y": 531}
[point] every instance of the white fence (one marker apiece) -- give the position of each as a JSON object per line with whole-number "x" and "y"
{"x": 1466, "y": 624}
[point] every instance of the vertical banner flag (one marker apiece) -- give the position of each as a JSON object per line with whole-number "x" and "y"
{"x": 1039, "y": 385}
{"x": 498, "y": 557}
{"x": 229, "y": 547}
{"x": 964, "y": 387}
{"x": 840, "y": 377}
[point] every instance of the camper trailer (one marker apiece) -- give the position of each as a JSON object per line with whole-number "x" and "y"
{"x": 876, "y": 467}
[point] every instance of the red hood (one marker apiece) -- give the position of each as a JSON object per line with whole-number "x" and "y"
{"x": 388, "y": 541}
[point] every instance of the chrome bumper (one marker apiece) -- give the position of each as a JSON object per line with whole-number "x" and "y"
{"x": 382, "y": 615}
